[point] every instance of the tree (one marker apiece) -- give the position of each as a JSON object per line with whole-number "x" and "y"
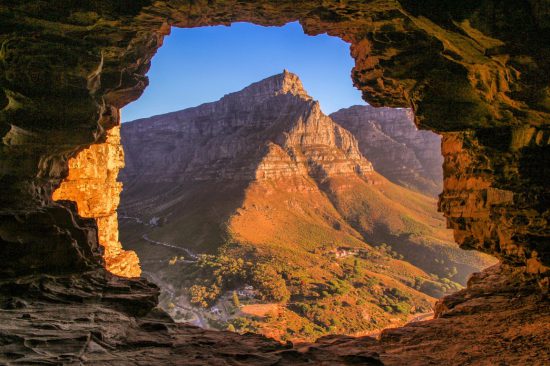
{"x": 270, "y": 283}
{"x": 202, "y": 295}
{"x": 236, "y": 300}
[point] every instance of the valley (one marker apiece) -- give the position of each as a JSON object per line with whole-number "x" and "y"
{"x": 260, "y": 213}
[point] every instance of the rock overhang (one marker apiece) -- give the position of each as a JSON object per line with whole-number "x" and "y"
{"x": 478, "y": 73}
{"x": 67, "y": 71}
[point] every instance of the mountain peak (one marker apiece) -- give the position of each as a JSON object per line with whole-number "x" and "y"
{"x": 291, "y": 83}
{"x": 283, "y": 83}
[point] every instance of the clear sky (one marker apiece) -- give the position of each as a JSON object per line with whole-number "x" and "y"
{"x": 200, "y": 65}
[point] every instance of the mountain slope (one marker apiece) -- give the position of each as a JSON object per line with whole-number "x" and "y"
{"x": 397, "y": 149}
{"x": 280, "y": 196}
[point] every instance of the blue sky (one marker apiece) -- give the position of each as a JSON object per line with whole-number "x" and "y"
{"x": 200, "y": 65}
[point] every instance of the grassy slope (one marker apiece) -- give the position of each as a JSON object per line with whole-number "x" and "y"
{"x": 384, "y": 212}
{"x": 295, "y": 224}
{"x": 193, "y": 214}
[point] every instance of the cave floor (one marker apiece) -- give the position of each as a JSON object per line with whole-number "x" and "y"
{"x": 97, "y": 319}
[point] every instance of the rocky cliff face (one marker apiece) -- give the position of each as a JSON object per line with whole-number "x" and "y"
{"x": 397, "y": 149}
{"x": 266, "y": 170}
{"x": 92, "y": 184}
{"x": 226, "y": 140}
{"x": 66, "y": 70}
{"x": 271, "y": 130}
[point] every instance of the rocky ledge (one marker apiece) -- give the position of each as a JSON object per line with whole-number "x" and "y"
{"x": 96, "y": 318}
{"x": 68, "y": 67}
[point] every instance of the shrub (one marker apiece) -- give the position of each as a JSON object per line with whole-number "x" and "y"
{"x": 402, "y": 307}
{"x": 236, "y": 301}
{"x": 269, "y": 283}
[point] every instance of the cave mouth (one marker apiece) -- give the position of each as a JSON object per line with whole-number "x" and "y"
{"x": 169, "y": 239}
{"x": 67, "y": 72}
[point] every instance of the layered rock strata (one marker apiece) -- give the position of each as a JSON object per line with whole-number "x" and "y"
{"x": 92, "y": 184}
{"x": 66, "y": 70}
{"x": 226, "y": 140}
{"x": 107, "y": 320}
{"x": 488, "y": 214}
{"x": 397, "y": 149}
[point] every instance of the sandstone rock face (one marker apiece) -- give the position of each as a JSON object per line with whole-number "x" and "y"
{"x": 225, "y": 140}
{"x": 66, "y": 70}
{"x": 92, "y": 185}
{"x": 488, "y": 218}
{"x": 107, "y": 320}
{"x": 397, "y": 149}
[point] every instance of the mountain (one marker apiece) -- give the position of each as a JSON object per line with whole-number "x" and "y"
{"x": 396, "y": 148}
{"x": 261, "y": 188}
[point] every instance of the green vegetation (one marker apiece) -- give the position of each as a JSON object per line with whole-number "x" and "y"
{"x": 212, "y": 275}
{"x": 244, "y": 325}
{"x": 376, "y": 268}
{"x": 269, "y": 283}
{"x": 395, "y": 301}
{"x": 388, "y": 250}
{"x": 320, "y": 299}
{"x": 236, "y": 301}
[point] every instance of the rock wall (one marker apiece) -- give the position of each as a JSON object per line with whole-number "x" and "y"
{"x": 483, "y": 204}
{"x": 92, "y": 184}
{"x": 477, "y": 70}
{"x": 482, "y": 68}
{"x": 225, "y": 140}
{"x": 397, "y": 149}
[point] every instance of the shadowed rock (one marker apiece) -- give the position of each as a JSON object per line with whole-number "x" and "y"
{"x": 477, "y": 72}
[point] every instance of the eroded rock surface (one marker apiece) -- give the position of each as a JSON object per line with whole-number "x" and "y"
{"x": 478, "y": 70}
{"x": 92, "y": 184}
{"x": 397, "y": 149}
{"x": 111, "y": 321}
{"x": 486, "y": 208}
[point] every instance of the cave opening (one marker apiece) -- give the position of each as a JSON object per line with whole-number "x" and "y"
{"x": 369, "y": 239}
{"x": 477, "y": 75}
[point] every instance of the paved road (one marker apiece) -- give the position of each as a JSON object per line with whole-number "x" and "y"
{"x": 191, "y": 255}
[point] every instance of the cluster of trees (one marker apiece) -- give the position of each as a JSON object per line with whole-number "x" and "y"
{"x": 387, "y": 249}
{"x": 242, "y": 325}
{"x": 338, "y": 287}
{"x": 269, "y": 282}
{"x": 213, "y": 275}
{"x": 395, "y": 301}
{"x": 436, "y": 287}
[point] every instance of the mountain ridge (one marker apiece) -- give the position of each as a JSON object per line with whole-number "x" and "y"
{"x": 263, "y": 176}
{"x": 398, "y": 150}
